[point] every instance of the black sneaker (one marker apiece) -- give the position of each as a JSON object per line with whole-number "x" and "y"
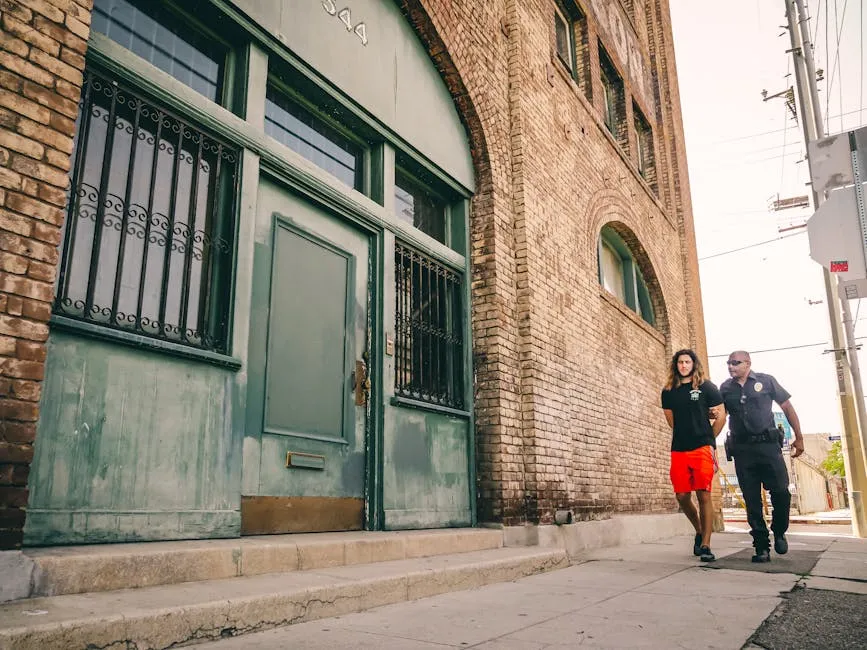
{"x": 762, "y": 556}
{"x": 781, "y": 546}
{"x": 706, "y": 555}
{"x": 696, "y": 545}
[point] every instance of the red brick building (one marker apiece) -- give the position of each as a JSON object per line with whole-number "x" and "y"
{"x": 579, "y": 252}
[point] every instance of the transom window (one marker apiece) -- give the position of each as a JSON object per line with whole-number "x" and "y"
{"x": 309, "y": 135}
{"x": 156, "y": 36}
{"x": 619, "y": 274}
{"x": 150, "y": 236}
{"x": 419, "y": 206}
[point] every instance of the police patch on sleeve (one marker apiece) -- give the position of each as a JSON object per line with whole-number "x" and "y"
{"x": 759, "y": 387}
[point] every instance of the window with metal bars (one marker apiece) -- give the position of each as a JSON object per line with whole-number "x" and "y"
{"x": 149, "y": 238}
{"x": 429, "y": 345}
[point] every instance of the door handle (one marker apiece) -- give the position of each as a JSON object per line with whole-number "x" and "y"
{"x": 361, "y": 383}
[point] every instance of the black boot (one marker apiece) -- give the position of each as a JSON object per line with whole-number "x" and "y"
{"x": 781, "y": 546}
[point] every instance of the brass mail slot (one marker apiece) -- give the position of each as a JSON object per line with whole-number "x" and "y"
{"x": 307, "y": 461}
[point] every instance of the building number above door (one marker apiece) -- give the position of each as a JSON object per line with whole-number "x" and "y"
{"x": 345, "y": 16}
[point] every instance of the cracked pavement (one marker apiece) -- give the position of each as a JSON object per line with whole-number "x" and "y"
{"x": 644, "y": 596}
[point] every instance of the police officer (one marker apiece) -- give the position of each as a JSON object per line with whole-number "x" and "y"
{"x": 756, "y": 445}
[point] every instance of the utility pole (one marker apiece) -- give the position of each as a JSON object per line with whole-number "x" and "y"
{"x": 846, "y": 360}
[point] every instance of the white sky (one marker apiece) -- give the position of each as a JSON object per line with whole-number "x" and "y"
{"x": 740, "y": 158}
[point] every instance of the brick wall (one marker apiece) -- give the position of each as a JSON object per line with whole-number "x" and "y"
{"x": 567, "y": 377}
{"x": 42, "y": 45}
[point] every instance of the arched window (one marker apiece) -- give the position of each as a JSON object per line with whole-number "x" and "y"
{"x": 619, "y": 274}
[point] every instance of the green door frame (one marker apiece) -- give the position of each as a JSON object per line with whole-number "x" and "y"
{"x": 370, "y": 214}
{"x": 373, "y": 420}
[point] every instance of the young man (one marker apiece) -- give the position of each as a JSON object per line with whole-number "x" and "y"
{"x": 689, "y": 402}
{"x": 756, "y": 445}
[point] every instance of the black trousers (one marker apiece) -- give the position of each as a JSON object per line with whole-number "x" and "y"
{"x": 760, "y": 464}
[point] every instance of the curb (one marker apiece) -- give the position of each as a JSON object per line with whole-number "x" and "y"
{"x": 140, "y": 619}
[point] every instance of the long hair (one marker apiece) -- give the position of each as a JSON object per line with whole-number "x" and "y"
{"x": 674, "y": 379}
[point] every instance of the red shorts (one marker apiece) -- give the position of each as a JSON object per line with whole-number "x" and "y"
{"x": 692, "y": 470}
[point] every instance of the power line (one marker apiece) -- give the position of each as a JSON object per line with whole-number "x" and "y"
{"x": 771, "y": 132}
{"x": 743, "y": 248}
{"x": 827, "y": 72}
{"x": 838, "y": 33}
{"x": 818, "y": 10}
{"x": 788, "y": 347}
{"x": 785, "y": 131}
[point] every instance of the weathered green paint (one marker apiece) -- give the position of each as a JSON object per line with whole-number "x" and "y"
{"x": 426, "y": 454}
{"x": 426, "y": 483}
{"x": 310, "y": 312}
{"x": 160, "y": 456}
{"x": 291, "y": 168}
{"x": 309, "y": 353}
{"x": 132, "y": 445}
{"x": 391, "y": 76}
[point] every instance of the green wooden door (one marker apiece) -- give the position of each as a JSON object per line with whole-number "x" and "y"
{"x": 304, "y": 463}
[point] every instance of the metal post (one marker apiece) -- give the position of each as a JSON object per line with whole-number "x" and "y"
{"x": 811, "y": 121}
{"x": 854, "y": 362}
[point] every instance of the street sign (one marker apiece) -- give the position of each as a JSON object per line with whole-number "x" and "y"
{"x": 834, "y": 438}
{"x": 835, "y": 236}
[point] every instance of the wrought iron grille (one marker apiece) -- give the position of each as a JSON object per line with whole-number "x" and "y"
{"x": 429, "y": 346}
{"x": 149, "y": 240}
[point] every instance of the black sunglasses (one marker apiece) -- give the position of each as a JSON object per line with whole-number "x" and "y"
{"x": 731, "y": 362}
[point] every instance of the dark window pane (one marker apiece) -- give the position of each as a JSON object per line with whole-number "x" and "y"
{"x": 150, "y": 234}
{"x": 415, "y": 204}
{"x": 308, "y": 135}
{"x": 185, "y": 56}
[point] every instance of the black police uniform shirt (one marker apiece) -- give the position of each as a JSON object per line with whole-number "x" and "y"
{"x": 690, "y": 406}
{"x": 749, "y": 406}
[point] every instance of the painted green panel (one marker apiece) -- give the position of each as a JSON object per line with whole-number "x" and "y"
{"x": 126, "y": 434}
{"x": 387, "y": 71}
{"x": 306, "y": 387}
{"x": 309, "y": 301}
{"x": 426, "y": 481}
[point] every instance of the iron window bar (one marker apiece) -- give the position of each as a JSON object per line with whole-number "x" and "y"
{"x": 429, "y": 342}
{"x": 149, "y": 237}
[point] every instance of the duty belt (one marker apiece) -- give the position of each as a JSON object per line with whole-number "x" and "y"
{"x": 767, "y": 436}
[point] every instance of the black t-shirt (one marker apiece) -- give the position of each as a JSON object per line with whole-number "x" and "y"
{"x": 690, "y": 407}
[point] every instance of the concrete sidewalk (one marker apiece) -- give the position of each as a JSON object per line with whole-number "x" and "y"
{"x": 842, "y": 517}
{"x": 654, "y": 595}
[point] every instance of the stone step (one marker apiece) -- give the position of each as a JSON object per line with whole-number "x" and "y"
{"x": 82, "y": 569}
{"x": 171, "y": 615}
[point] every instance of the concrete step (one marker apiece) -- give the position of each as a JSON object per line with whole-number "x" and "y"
{"x": 84, "y": 569}
{"x": 174, "y": 614}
